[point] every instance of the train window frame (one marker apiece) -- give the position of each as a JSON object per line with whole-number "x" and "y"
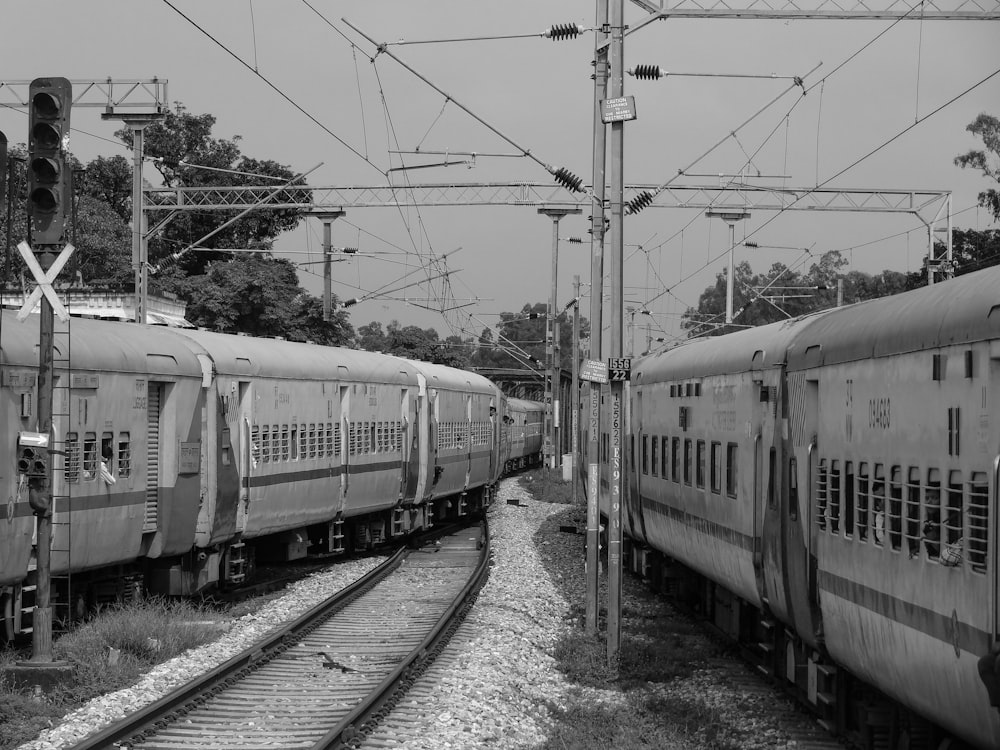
{"x": 688, "y": 461}
{"x": 923, "y": 523}
{"x": 108, "y": 452}
{"x": 863, "y": 501}
{"x": 72, "y": 465}
{"x": 953, "y": 521}
{"x": 654, "y": 454}
{"x": 847, "y": 500}
{"x": 699, "y": 464}
{"x": 822, "y": 492}
{"x": 675, "y": 459}
{"x": 895, "y": 501}
{"x": 833, "y": 496}
{"x": 89, "y": 463}
{"x": 124, "y": 455}
{"x": 664, "y": 453}
{"x": 878, "y": 504}
{"x": 772, "y": 468}
{"x": 715, "y": 467}
{"x": 732, "y": 470}
{"x": 286, "y": 450}
{"x": 977, "y": 522}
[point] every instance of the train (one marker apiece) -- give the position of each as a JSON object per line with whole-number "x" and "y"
{"x": 180, "y": 458}
{"x": 825, "y": 490}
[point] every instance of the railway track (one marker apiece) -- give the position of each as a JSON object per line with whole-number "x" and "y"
{"x": 321, "y": 681}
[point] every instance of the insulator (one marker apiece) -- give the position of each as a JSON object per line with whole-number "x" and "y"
{"x": 568, "y": 180}
{"x": 560, "y": 31}
{"x": 750, "y": 243}
{"x": 640, "y": 201}
{"x": 350, "y": 250}
{"x": 647, "y": 72}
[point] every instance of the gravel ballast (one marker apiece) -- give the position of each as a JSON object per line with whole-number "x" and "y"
{"x": 498, "y": 686}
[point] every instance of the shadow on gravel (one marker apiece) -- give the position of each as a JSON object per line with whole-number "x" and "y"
{"x": 642, "y": 704}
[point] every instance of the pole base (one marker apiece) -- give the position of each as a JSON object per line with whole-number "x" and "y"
{"x": 42, "y": 675}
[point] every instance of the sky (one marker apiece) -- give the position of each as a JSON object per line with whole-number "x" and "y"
{"x": 900, "y": 89}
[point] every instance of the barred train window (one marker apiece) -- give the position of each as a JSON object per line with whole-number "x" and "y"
{"x": 72, "y": 457}
{"x": 863, "y": 501}
{"x": 675, "y": 462}
{"x": 653, "y": 457}
{"x": 912, "y": 501}
{"x": 699, "y": 475}
{"x": 90, "y": 456}
{"x": 688, "y": 459}
{"x": 645, "y": 454}
{"x": 978, "y": 521}
{"x": 895, "y": 507}
{"x": 731, "y": 469}
{"x": 822, "y": 492}
{"x": 953, "y": 522}
{"x": 124, "y": 454}
{"x": 834, "y": 487}
{"x": 664, "y": 463}
{"x": 878, "y": 505}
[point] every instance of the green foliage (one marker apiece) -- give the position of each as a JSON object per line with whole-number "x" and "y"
{"x": 413, "y": 342}
{"x": 521, "y": 335}
{"x": 260, "y": 295}
{"x": 143, "y": 634}
{"x": 186, "y": 155}
{"x": 986, "y": 127}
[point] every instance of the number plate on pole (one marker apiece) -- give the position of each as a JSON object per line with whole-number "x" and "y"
{"x": 619, "y": 369}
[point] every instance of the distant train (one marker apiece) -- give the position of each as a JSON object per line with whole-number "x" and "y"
{"x": 826, "y": 489}
{"x": 181, "y": 457}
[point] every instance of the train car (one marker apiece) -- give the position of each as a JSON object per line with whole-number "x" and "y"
{"x": 523, "y": 423}
{"x": 125, "y": 478}
{"x": 895, "y": 430}
{"x": 827, "y": 490}
{"x": 197, "y": 452}
{"x": 457, "y": 422}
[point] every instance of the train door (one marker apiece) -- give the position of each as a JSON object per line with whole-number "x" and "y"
{"x": 248, "y": 454}
{"x": 993, "y": 511}
{"x": 154, "y": 400}
{"x": 408, "y": 448}
{"x": 344, "y": 420}
{"x": 468, "y": 436}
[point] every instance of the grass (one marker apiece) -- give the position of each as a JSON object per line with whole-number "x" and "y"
{"x": 107, "y": 653}
{"x": 644, "y": 703}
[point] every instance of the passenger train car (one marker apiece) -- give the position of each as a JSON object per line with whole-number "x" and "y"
{"x": 181, "y": 457}
{"x": 826, "y": 488}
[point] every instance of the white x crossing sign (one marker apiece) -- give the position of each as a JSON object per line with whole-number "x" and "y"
{"x": 44, "y": 281}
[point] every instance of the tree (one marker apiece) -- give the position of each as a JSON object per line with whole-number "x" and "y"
{"x": 522, "y": 335}
{"x": 986, "y": 127}
{"x": 186, "y": 155}
{"x": 371, "y": 337}
{"x": 260, "y": 295}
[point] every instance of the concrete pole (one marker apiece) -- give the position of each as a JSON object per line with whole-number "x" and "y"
{"x": 619, "y": 463}
{"x": 328, "y": 217}
{"x": 575, "y": 392}
{"x": 596, "y": 321}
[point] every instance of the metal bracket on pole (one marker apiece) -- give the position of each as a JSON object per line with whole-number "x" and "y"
{"x": 44, "y": 280}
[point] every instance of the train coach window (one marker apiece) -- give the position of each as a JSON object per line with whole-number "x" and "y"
{"x": 699, "y": 474}
{"x": 931, "y": 530}
{"x": 688, "y": 460}
{"x": 978, "y": 521}
{"x": 895, "y": 507}
{"x": 264, "y": 443}
{"x": 89, "y": 455}
{"x": 107, "y": 454}
{"x": 878, "y": 505}
{"x": 654, "y": 454}
{"x": 731, "y": 469}
{"x": 953, "y": 522}
{"x": 124, "y": 454}
{"x": 863, "y": 500}
{"x": 793, "y": 489}
{"x": 675, "y": 461}
{"x": 664, "y": 452}
{"x": 286, "y": 450}
{"x": 293, "y": 442}
{"x": 645, "y": 454}
{"x": 847, "y": 511}
{"x": 771, "y": 470}
{"x": 833, "y": 507}
{"x": 715, "y": 465}
{"x": 72, "y": 457}
{"x": 822, "y": 492}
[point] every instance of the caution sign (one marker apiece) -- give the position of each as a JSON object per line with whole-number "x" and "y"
{"x": 594, "y": 370}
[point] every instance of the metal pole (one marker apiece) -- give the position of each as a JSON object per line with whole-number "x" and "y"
{"x": 596, "y": 322}
{"x": 551, "y": 365}
{"x": 139, "y": 259}
{"x": 327, "y": 272}
{"x": 618, "y": 462}
{"x": 730, "y": 273}
{"x": 575, "y": 395}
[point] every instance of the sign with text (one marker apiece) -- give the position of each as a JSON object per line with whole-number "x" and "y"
{"x": 617, "y": 110}
{"x": 594, "y": 370}
{"x": 620, "y": 368}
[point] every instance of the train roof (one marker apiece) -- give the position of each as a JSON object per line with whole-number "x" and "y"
{"x": 100, "y": 345}
{"x": 451, "y": 378}
{"x": 252, "y": 356}
{"x": 521, "y": 404}
{"x": 751, "y": 348}
{"x": 961, "y": 310}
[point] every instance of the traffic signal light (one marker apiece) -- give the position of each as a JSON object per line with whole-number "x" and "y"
{"x": 32, "y": 454}
{"x": 49, "y": 101}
